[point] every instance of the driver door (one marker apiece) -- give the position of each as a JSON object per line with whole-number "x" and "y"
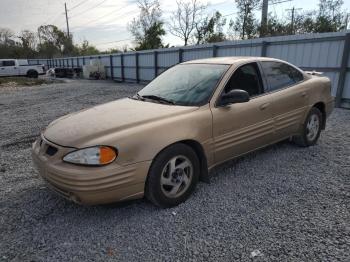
{"x": 242, "y": 127}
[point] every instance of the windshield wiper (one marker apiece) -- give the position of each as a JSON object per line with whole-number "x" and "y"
{"x": 158, "y": 98}
{"x": 137, "y": 96}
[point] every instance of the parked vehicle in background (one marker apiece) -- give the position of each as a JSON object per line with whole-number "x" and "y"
{"x": 192, "y": 117}
{"x": 20, "y": 67}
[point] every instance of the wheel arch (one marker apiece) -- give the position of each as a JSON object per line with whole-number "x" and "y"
{"x": 322, "y": 107}
{"x": 198, "y": 149}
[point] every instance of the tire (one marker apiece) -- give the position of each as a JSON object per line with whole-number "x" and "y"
{"x": 32, "y": 74}
{"x": 311, "y": 129}
{"x": 173, "y": 176}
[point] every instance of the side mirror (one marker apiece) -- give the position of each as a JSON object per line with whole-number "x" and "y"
{"x": 234, "y": 96}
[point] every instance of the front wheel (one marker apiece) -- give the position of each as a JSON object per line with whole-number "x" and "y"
{"x": 311, "y": 129}
{"x": 173, "y": 176}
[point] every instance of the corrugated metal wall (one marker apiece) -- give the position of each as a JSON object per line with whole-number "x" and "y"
{"x": 328, "y": 53}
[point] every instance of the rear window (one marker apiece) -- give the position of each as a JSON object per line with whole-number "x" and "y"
{"x": 279, "y": 75}
{"x": 8, "y": 63}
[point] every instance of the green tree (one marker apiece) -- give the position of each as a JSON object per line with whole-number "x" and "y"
{"x": 245, "y": 23}
{"x": 275, "y": 26}
{"x": 304, "y": 22}
{"x": 86, "y": 49}
{"x": 330, "y": 16}
{"x": 54, "y": 42}
{"x": 152, "y": 38}
{"x": 147, "y": 28}
{"x": 210, "y": 30}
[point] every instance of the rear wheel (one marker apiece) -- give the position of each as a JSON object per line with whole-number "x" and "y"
{"x": 311, "y": 129}
{"x": 173, "y": 176}
{"x": 32, "y": 74}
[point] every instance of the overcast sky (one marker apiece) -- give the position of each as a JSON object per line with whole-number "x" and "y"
{"x": 104, "y": 22}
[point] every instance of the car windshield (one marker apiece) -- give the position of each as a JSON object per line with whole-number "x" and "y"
{"x": 187, "y": 84}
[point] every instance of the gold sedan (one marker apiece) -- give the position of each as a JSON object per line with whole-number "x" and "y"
{"x": 192, "y": 117}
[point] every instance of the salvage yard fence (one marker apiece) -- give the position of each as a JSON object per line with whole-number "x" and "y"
{"x": 327, "y": 53}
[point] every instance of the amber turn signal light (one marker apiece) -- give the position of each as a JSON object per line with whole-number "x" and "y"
{"x": 107, "y": 155}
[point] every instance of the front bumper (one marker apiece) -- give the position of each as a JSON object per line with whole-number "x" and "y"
{"x": 88, "y": 185}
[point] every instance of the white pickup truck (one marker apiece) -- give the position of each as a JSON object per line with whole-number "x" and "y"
{"x": 20, "y": 67}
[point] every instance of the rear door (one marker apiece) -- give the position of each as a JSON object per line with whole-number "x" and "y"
{"x": 288, "y": 91}
{"x": 242, "y": 127}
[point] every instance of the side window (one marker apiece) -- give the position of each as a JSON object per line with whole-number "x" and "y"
{"x": 279, "y": 75}
{"x": 8, "y": 63}
{"x": 246, "y": 78}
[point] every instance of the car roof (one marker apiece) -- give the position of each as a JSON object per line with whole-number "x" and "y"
{"x": 229, "y": 60}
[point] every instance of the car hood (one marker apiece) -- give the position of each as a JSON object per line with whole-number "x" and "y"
{"x": 80, "y": 127}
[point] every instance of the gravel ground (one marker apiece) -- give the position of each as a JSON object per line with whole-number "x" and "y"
{"x": 283, "y": 203}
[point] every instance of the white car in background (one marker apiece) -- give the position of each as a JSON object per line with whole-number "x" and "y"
{"x": 20, "y": 67}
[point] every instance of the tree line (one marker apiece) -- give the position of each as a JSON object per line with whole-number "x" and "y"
{"x": 48, "y": 42}
{"x": 190, "y": 22}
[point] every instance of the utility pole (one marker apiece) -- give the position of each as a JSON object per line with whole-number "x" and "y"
{"x": 292, "y": 25}
{"x": 65, "y": 8}
{"x": 265, "y": 6}
{"x": 293, "y": 18}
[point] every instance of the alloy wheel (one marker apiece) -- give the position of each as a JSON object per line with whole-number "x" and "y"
{"x": 176, "y": 176}
{"x": 312, "y": 127}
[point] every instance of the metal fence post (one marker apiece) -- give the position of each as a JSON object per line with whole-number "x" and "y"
{"x": 137, "y": 67}
{"x": 264, "y": 48}
{"x": 122, "y": 67}
{"x": 180, "y": 55}
{"x": 111, "y": 65}
{"x": 215, "y": 50}
{"x": 77, "y": 61}
{"x": 343, "y": 70}
{"x": 155, "y": 63}
{"x": 72, "y": 59}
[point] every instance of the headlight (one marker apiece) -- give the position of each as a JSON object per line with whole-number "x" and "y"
{"x": 94, "y": 156}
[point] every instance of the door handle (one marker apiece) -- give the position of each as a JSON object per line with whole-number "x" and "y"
{"x": 2, "y": 68}
{"x": 264, "y": 106}
{"x": 303, "y": 94}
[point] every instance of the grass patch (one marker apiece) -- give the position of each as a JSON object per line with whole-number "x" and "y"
{"x": 24, "y": 81}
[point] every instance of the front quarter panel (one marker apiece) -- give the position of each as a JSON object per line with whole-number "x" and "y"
{"x": 144, "y": 142}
